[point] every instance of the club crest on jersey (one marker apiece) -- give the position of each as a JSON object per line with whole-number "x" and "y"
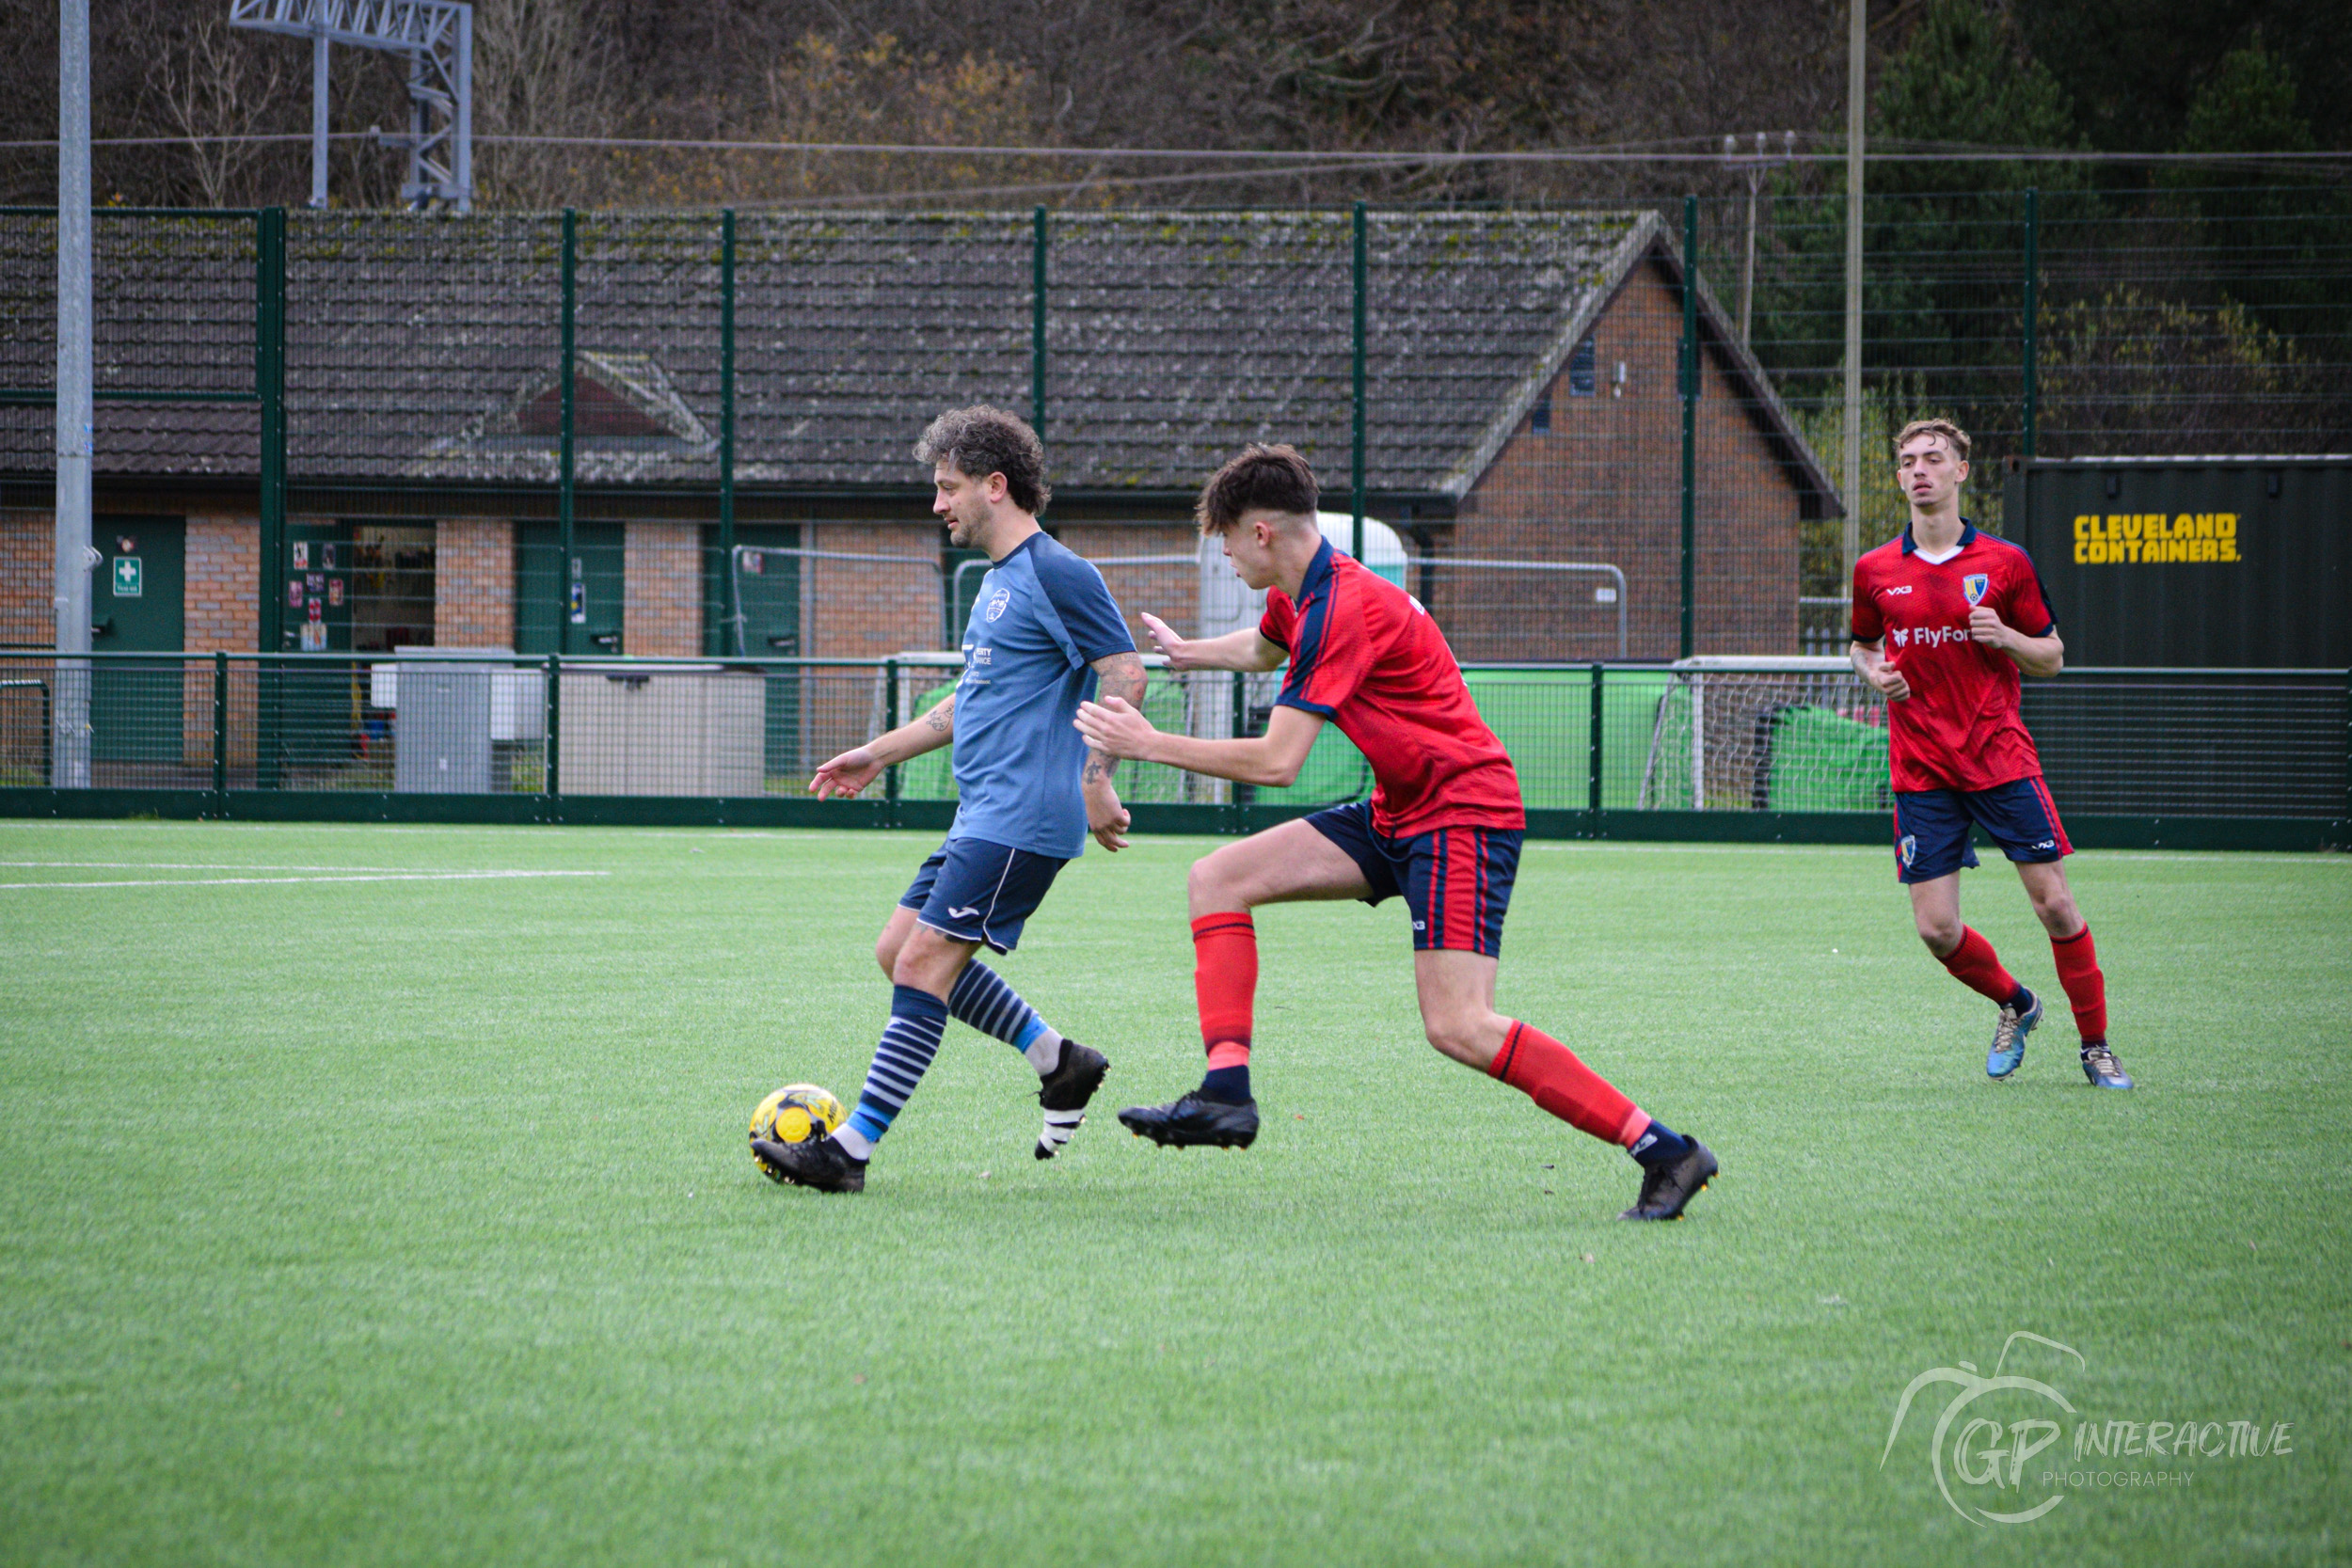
{"x": 1974, "y": 585}
{"x": 997, "y": 605}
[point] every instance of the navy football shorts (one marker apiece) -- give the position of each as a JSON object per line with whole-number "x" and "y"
{"x": 1456, "y": 881}
{"x": 975, "y": 890}
{"x": 1932, "y": 827}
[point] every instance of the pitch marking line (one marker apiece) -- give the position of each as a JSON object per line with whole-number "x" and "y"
{"x": 372, "y": 876}
{"x": 188, "y": 865}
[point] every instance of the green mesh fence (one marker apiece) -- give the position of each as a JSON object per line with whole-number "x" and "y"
{"x": 622, "y": 436}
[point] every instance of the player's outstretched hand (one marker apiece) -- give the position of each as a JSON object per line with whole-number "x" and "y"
{"x": 1178, "y": 649}
{"x": 1114, "y": 727}
{"x": 1105, "y": 817}
{"x": 846, "y": 774}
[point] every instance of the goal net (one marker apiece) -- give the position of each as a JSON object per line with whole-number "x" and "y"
{"x": 1733, "y": 734}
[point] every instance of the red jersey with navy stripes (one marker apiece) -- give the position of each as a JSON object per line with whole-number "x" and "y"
{"x": 1959, "y": 728}
{"x": 1366, "y": 655}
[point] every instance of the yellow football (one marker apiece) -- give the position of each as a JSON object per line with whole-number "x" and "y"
{"x": 794, "y": 1113}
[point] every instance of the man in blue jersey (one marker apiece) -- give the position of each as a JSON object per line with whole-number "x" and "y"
{"x": 1042, "y": 633}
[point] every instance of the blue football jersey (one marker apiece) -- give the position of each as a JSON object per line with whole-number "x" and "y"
{"x": 1042, "y": 619}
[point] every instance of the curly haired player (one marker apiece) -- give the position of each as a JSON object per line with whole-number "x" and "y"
{"x": 1043, "y": 631}
{"x": 1442, "y": 828}
{"x": 1965, "y": 614}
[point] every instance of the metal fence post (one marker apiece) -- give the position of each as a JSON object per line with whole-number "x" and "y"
{"x": 1240, "y": 796}
{"x": 1690, "y": 420}
{"x": 270, "y": 367}
{"x": 1036, "y": 321}
{"x": 563, "y": 573}
{"x": 552, "y": 782}
{"x": 1592, "y": 801}
{"x": 2033, "y": 270}
{"x": 1356, "y": 445}
{"x": 220, "y": 725}
{"x": 890, "y": 722}
{"x": 732, "y": 636}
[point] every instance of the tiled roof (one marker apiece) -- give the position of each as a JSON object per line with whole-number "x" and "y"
{"x": 1171, "y": 337}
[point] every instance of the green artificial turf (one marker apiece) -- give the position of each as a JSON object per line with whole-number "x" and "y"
{"x": 410, "y": 1221}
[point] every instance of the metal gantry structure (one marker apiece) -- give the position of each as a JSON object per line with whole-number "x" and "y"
{"x": 437, "y": 37}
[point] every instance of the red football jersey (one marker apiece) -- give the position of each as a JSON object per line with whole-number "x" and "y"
{"x": 1959, "y": 727}
{"x": 1365, "y": 656}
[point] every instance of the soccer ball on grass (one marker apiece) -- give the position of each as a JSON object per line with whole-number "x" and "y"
{"x": 794, "y": 1115}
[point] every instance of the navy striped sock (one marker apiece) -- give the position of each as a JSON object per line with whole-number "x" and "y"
{"x": 982, "y": 999}
{"x": 917, "y": 1019}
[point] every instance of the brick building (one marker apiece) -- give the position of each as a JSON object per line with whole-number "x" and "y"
{"x": 1521, "y": 407}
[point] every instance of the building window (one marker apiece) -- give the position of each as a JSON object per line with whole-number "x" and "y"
{"x": 1581, "y": 370}
{"x": 1539, "y": 418}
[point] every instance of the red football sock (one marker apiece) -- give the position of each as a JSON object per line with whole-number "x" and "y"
{"x": 1974, "y": 964}
{"x": 1225, "y": 981}
{"x": 2086, "y": 985}
{"x": 1549, "y": 1073}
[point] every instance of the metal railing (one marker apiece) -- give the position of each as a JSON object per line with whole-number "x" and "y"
{"x": 1711, "y": 735}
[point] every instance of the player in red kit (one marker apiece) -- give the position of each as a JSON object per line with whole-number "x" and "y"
{"x": 1945, "y": 621}
{"x": 1442, "y": 828}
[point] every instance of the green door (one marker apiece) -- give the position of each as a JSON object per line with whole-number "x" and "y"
{"x": 318, "y": 709}
{"x": 137, "y": 605}
{"x": 768, "y": 594}
{"x": 572, "y": 608}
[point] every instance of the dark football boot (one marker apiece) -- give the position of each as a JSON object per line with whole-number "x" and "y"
{"x": 1193, "y": 1122}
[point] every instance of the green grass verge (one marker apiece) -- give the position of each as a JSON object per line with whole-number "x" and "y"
{"x": 410, "y": 1221}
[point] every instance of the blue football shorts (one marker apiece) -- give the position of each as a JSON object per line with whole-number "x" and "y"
{"x": 1932, "y": 827}
{"x": 1455, "y": 881}
{"x": 977, "y": 891}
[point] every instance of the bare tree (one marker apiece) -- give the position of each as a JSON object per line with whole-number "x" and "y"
{"x": 541, "y": 68}
{"x": 213, "y": 88}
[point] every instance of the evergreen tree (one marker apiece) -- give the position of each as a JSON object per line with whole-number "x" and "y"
{"x": 1944, "y": 242}
{"x": 2272, "y": 239}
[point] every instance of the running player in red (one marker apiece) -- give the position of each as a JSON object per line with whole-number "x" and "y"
{"x": 1442, "y": 828}
{"x": 1965, "y": 614}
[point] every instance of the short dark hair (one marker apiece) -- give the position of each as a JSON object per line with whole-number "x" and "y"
{"x": 980, "y": 442}
{"x": 1263, "y": 478}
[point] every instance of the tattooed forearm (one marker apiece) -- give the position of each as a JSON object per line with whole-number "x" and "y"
{"x": 1119, "y": 675}
{"x": 943, "y": 718}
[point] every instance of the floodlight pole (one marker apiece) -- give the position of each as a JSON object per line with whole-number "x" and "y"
{"x": 318, "y": 111}
{"x": 69, "y": 708}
